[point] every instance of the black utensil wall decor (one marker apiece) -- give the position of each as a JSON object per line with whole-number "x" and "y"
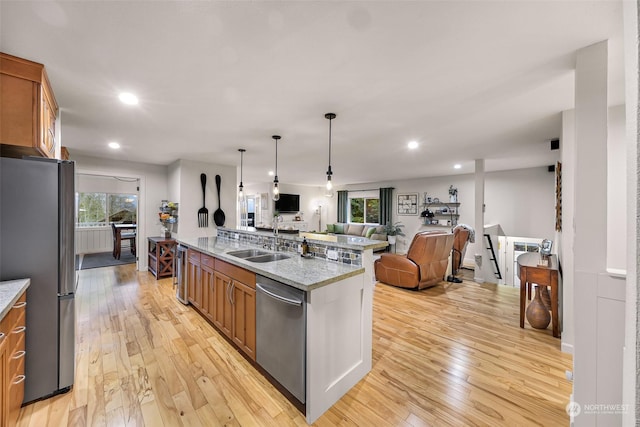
{"x": 203, "y": 212}
{"x": 218, "y": 215}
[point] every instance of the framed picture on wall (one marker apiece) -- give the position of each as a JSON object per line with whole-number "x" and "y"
{"x": 408, "y": 204}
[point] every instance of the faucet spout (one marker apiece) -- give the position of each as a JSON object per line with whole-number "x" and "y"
{"x": 276, "y": 219}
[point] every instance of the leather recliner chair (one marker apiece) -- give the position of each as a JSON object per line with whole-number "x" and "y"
{"x": 461, "y": 237}
{"x": 424, "y": 265}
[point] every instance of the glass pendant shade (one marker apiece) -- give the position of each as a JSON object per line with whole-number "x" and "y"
{"x": 275, "y": 192}
{"x": 329, "y": 186}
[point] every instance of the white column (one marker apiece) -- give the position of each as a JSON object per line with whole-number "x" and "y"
{"x": 598, "y": 303}
{"x": 631, "y": 356}
{"x": 478, "y": 276}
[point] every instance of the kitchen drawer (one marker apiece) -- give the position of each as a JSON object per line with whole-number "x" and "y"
{"x": 17, "y": 333}
{"x": 16, "y": 392}
{"x": 237, "y": 273}
{"x": 206, "y": 260}
{"x": 16, "y": 361}
{"x": 15, "y": 313}
{"x": 194, "y": 256}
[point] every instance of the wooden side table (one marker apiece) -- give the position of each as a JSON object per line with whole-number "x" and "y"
{"x": 161, "y": 254}
{"x": 530, "y": 271}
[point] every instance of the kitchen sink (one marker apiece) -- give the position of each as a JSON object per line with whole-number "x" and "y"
{"x": 247, "y": 253}
{"x": 267, "y": 258}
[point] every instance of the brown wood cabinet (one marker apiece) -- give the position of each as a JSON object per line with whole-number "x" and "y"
{"x": 226, "y": 295}
{"x": 28, "y": 109}
{"x": 193, "y": 277}
{"x": 238, "y": 305}
{"x": 206, "y": 286}
{"x": 222, "y": 316}
{"x": 12, "y": 357}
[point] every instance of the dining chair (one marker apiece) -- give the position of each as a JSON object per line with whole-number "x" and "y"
{"x": 118, "y": 237}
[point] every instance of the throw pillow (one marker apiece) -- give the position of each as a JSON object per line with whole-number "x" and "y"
{"x": 331, "y": 228}
{"x": 369, "y": 232}
{"x": 376, "y": 236}
{"x": 354, "y": 229}
{"x": 339, "y": 228}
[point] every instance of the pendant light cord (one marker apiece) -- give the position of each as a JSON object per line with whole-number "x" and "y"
{"x": 330, "y": 144}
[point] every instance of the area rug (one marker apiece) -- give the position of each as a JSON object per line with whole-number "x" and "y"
{"x": 105, "y": 259}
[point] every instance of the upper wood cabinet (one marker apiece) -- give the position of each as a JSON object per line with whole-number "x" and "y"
{"x": 28, "y": 109}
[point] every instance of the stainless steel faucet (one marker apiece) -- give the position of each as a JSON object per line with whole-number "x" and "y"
{"x": 276, "y": 219}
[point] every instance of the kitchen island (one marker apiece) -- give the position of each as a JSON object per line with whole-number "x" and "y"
{"x": 338, "y": 313}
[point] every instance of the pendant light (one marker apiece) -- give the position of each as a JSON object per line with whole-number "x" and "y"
{"x": 241, "y": 187}
{"x": 329, "y": 186}
{"x": 275, "y": 193}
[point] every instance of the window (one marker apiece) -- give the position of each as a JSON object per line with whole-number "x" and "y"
{"x": 364, "y": 207}
{"x": 97, "y": 209}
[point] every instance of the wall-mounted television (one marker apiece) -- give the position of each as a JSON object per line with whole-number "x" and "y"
{"x": 288, "y": 203}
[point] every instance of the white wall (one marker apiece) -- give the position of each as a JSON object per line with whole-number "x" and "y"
{"x": 153, "y": 188}
{"x": 105, "y": 184}
{"x": 186, "y": 177}
{"x": 310, "y": 198}
{"x": 522, "y": 201}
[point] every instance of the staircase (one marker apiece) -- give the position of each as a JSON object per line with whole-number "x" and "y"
{"x": 496, "y": 268}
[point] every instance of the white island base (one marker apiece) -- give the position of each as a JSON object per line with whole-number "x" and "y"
{"x": 339, "y": 339}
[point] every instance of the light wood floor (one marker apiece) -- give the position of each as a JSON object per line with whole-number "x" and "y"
{"x": 449, "y": 355}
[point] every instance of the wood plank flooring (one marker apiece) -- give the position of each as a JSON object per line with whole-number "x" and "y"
{"x": 449, "y": 355}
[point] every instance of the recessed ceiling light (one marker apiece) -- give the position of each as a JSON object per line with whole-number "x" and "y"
{"x": 128, "y": 98}
{"x": 412, "y": 145}
{"x": 114, "y": 145}
{"x": 270, "y": 173}
{"x": 457, "y": 166}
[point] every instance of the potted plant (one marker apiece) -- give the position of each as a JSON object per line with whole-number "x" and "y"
{"x": 393, "y": 230}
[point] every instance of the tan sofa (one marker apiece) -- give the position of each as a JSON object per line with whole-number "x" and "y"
{"x": 424, "y": 265}
{"x": 360, "y": 230}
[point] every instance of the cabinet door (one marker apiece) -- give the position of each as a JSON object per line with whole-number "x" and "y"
{"x": 48, "y": 126}
{"x": 207, "y": 282}
{"x": 222, "y": 312}
{"x": 244, "y": 318}
{"x": 193, "y": 276}
{"x": 211, "y": 292}
{"x": 4, "y": 386}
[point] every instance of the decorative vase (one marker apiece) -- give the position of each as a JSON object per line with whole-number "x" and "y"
{"x": 544, "y": 295}
{"x": 392, "y": 240}
{"x": 537, "y": 313}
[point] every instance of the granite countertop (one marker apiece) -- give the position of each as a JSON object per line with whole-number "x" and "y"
{"x": 10, "y": 291}
{"x": 302, "y": 273}
{"x": 338, "y": 240}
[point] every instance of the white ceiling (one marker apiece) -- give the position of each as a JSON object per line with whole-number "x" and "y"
{"x": 466, "y": 79}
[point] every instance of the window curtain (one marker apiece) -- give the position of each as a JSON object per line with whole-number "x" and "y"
{"x": 343, "y": 201}
{"x": 386, "y": 205}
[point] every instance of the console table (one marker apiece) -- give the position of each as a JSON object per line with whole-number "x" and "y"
{"x": 531, "y": 271}
{"x": 161, "y": 254}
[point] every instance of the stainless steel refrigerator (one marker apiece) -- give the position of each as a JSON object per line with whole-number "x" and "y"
{"x": 37, "y": 226}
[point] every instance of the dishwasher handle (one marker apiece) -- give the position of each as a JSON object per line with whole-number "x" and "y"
{"x": 279, "y": 297}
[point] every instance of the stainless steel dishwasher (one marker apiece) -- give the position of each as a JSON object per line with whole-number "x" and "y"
{"x": 180, "y": 273}
{"x": 281, "y": 324}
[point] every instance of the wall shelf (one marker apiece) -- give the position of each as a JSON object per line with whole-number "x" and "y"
{"x": 442, "y": 212}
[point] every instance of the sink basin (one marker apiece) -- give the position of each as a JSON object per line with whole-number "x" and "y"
{"x": 267, "y": 258}
{"x": 246, "y": 253}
